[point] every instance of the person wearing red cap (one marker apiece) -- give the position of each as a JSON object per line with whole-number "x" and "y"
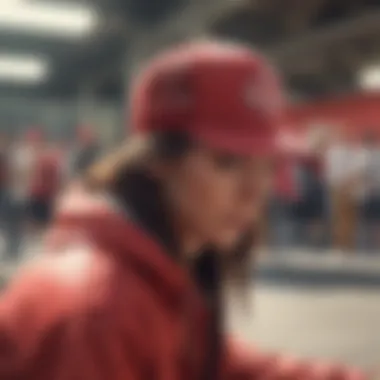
{"x": 131, "y": 285}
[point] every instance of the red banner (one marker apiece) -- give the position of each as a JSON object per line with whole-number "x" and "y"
{"x": 356, "y": 113}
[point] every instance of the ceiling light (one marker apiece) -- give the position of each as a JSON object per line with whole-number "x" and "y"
{"x": 369, "y": 78}
{"x": 47, "y": 19}
{"x": 22, "y": 69}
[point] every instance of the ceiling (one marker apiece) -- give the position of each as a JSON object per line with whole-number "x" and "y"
{"x": 319, "y": 44}
{"x": 87, "y": 61}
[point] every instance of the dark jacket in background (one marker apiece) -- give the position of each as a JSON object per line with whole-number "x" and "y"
{"x": 84, "y": 157}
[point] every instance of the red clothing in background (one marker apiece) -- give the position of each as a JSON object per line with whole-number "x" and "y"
{"x": 314, "y": 164}
{"x": 46, "y": 177}
{"x": 285, "y": 184}
{"x": 110, "y": 304}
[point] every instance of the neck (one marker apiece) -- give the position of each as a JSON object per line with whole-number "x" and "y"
{"x": 190, "y": 247}
{"x": 189, "y": 244}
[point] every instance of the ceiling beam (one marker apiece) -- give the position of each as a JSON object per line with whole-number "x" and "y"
{"x": 191, "y": 22}
{"x": 318, "y": 40}
{"x": 300, "y": 13}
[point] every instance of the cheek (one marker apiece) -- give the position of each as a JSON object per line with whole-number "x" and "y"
{"x": 202, "y": 196}
{"x": 265, "y": 181}
{"x": 265, "y": 189}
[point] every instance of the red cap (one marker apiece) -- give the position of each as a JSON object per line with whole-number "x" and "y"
{"x": 224, "y": 95}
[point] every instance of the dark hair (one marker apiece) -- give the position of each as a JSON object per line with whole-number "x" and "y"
{"x": 127, "y": 177}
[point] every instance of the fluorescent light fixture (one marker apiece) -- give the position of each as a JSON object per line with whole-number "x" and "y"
{"x": 22, "y": 69}
{"x": 53, "y": 19}
{"x": 369, "y": 78}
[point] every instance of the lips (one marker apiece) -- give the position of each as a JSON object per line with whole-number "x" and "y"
{"x": 237, "y": 223}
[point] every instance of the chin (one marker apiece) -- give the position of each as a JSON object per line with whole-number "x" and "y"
{"x": 227, "y": 242}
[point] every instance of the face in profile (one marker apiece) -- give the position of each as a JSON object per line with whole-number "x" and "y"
{"x": 216, "y": 197}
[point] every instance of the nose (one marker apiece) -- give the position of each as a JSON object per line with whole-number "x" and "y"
{"x": 248, "y": 189}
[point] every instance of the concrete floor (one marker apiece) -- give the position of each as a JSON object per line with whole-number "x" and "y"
{"x": 340, "y": 323}
{"x": 336, "y": 323}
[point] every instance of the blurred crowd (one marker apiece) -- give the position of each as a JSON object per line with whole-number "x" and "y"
{"x": 329, "y": 193}
{"x": 33, "y": 170}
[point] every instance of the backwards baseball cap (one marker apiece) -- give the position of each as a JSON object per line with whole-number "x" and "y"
{"x": 223, "y": 95}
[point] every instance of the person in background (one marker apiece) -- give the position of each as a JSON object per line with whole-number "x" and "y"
{"x": 285, "y": 194}
{"x": 273, "y": 227}
{"x": 344, "y": 173}
{"x": 371, "y": 190}
{"x": 65, "y": 153}
{"x": 314, "y": 190}
{"x": 45, "y": 184}
{"x": 22, "y": 159}
{"x": 4, "y": 177}
{"x": 131, "y": 286}
{"x": 307, "y": 203}
{"x": 85, "y": 152}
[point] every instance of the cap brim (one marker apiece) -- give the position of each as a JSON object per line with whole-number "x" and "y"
{"x": 241, "y": 141}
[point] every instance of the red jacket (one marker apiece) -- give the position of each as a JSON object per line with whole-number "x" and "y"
{"x": 107, "y": 303}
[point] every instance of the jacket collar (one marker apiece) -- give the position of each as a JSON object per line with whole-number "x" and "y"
{"x": 101, "y": 222}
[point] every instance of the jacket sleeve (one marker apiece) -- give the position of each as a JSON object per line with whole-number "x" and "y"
{"x": 43, "y": 337}
{"x": 250, "y": 364}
